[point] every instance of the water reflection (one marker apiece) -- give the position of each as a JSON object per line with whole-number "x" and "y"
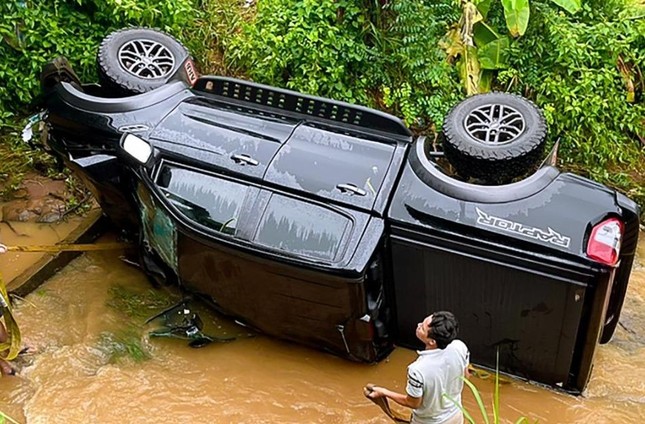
{"x": 257, "y": 379}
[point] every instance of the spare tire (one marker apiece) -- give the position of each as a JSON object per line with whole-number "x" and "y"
{"x": 494, "y": 137}
{"x": 137, "y": 60}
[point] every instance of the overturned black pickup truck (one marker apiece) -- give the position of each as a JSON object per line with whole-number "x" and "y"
{"x": 331, "y": 225}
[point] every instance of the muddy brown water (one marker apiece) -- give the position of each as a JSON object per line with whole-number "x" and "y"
{"x": 73, "y": 378}
{"x": 26, "y": 233}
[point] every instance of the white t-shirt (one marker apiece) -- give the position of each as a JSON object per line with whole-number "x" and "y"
{"x": 437, "y": 372}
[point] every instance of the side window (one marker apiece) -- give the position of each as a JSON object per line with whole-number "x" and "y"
{"x": 302, "y": 228}
{"x": 207, "y": 200}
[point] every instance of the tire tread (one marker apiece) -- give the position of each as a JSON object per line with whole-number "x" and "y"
{"x": 110, "y": 77}
{"x": 493, "y": 164}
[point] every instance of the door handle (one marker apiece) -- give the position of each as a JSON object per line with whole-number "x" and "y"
{"x": 244, "y": 159}
{"x": 351, "y": 188}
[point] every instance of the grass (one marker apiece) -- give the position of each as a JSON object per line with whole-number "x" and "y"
{"x": 16, "y": 159}
{"x": 480, "y": 403}
{"x": 207, "y": 39}
{"x": 124, "y": 345}
{"x": 138, "y": 306}
{"x": 4, "y": 418}
{"x": 127, "y": 342}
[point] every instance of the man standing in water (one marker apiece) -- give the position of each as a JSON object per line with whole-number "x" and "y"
{"x": 434, "y": 381}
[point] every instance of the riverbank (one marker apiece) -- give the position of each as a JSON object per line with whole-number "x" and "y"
{"x": 38, "y": 211}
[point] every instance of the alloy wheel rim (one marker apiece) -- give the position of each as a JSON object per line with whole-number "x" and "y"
{"x": 495, "y": 124}
{"x": 146, "y": 59}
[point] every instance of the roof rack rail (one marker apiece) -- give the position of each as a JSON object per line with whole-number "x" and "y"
{"x": 315, "y": 108}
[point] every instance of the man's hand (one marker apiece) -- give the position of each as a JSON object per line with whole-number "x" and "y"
{"x": 402, "y": 399}
{"x": 377, "y": 392}
{"x": 379, "y": 396}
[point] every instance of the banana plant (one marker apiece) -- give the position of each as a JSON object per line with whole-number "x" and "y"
{"x": 478, "y": 49}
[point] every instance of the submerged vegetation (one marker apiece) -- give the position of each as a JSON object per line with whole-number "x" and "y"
{"x": 579, "y": 60}
{"x": 138, "y": 306}
{"x": 128, "y": 342}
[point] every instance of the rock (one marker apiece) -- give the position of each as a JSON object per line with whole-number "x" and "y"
{"x": 21, "y": 193}
{"x": 50, "y": 217}
{"x": 36, "y": 210}
{"x": 24, "y": 215}
{"x": 45, "y": 209}
{"x": 17, "y": 210}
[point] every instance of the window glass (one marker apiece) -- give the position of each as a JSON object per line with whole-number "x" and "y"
{"x": 301, "y": 228}
{"x": 207, "y": 200}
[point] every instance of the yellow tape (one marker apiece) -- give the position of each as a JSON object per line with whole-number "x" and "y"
{"x": 69, "y": 247}
{"x": 10, "y": 349}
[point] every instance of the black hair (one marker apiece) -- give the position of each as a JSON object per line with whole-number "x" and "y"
{"x": 443, "y": 328}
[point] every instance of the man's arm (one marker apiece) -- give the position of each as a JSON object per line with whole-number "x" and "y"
{"x": 401, "y": 399}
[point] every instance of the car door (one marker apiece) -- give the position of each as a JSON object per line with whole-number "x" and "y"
{"x": 332, "y": 165}
{"x": 206, "y": 133}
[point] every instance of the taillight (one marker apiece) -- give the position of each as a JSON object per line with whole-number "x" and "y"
{"x": 604, "y": 243}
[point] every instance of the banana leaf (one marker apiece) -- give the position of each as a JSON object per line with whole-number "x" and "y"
{"x": 517, "y": 14}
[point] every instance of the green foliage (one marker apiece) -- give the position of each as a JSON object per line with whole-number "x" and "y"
{"x": 494, "y": 54}
{"x": 138, "y": 305}
{"x": 517, "y": 13}
{"x": 33, "y": 32}
{"x": 167, "y": 15}
{"x": 209, "y": 36}
{"x": 135, "y": 307}
{"x": 480, "y": 403}
{"x": 478, "y": 48}
{"x": 124, "y": 345}
{"x": 16, "y": 159}
{"x": 417, "y": 82}
{"x": 571, "y": 6}
{"x": 570, "y": 66}
{"x": 517, "y": 16}
{"x": 315, "y": 46}
{"x": 353, "y": 50}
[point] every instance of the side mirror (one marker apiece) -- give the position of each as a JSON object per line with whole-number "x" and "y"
{"x": 135, "y": 150}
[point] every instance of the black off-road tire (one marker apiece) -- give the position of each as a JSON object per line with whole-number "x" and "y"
{"x": 113, "y": 73}
{"x": 490, "y": 161}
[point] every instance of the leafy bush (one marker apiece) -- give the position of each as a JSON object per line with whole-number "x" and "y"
{"x": 314, "y": 46}
{"x": 210, "y": 35}
{"x": 371, "y": 52}
{"x": 33, "y": 32}
{"x": 418, "y": 83}
{"x": 571, "y": 65}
